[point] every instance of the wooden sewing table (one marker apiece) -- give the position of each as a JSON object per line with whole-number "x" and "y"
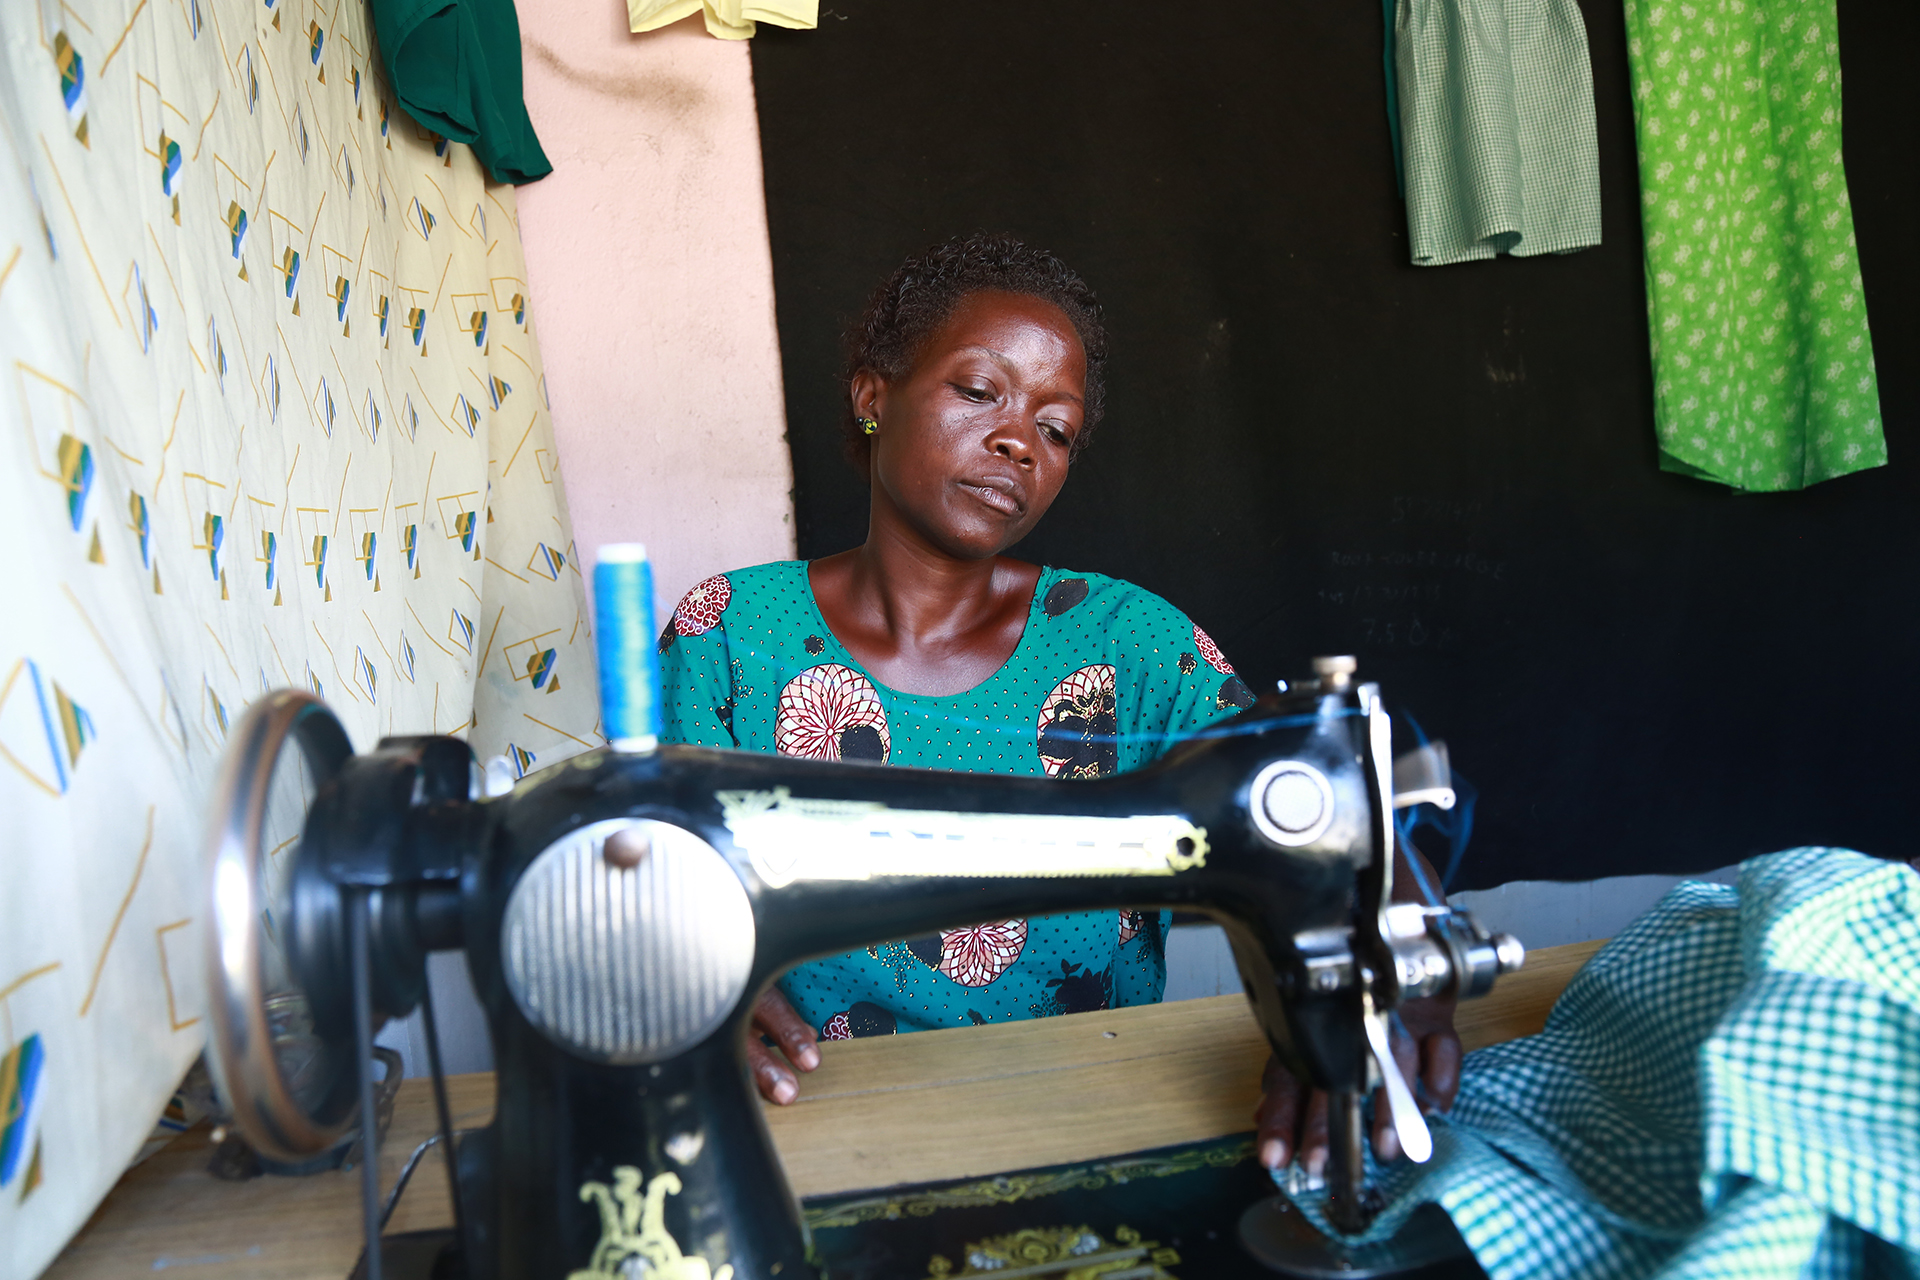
{"x": 878, "y": 1113}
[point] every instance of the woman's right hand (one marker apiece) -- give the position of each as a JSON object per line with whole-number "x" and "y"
{"x": 774, "y": 1018}
{"x": 1292, "y": 1119}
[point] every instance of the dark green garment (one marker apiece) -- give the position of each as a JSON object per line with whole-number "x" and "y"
{"x": 456, "y": 69}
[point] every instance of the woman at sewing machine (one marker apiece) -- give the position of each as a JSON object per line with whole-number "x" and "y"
{"x": 974, "y": 379}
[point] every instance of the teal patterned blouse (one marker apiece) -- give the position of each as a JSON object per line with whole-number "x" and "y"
{"x": 1105, "y": 677}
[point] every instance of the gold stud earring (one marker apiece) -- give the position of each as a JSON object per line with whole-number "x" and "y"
{"x": 867, "y": 425}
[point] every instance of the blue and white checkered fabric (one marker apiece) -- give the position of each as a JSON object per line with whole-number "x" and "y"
{"x": 1730, "y": 1088}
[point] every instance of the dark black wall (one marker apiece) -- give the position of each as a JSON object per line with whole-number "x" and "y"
{"x": 1313, "y": 446}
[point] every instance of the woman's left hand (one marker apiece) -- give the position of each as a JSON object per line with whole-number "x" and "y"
{"x": 1293, "y": 1120}
{"x": 775, "y": 1019}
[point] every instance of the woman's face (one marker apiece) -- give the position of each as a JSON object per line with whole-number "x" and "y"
{"x": 973, "y": 441}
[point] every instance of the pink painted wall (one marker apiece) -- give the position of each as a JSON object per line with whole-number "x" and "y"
{"x": 652, "y": 290}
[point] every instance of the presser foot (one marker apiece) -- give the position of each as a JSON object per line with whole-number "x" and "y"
{"x": 1281, "y": 1238}
{"x": 416, "y": 1255}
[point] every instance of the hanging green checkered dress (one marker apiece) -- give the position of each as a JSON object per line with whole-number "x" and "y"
{"x": 1496, "y": 128}
{"x": 1730, "y": 1088}
{"x": 1762, "y": 365}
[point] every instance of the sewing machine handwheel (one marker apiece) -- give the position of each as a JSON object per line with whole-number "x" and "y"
{"x": 291, "y": 1089}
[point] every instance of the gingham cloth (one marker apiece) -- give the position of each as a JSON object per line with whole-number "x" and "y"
{"x": 1730, "y": 1088}
{"x": 1496, "y": 128}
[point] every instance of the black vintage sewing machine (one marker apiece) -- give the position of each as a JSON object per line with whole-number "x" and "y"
{"x": 621, "y": 911}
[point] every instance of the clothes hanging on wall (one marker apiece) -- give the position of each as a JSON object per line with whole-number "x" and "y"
{"x": 728, "y": 19}
{"x": 1496, "y": 128}
{"x": 455, "y": 65}
{"x": 272, "y": 415}
{"x": 1762, "y": 363}
{"x": 1726, "y": 1089}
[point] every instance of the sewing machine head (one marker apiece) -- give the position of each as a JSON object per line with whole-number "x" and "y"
{"x": 621, "y": 912}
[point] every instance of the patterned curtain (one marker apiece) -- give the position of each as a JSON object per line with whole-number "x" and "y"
{"x": 271, "y": 414}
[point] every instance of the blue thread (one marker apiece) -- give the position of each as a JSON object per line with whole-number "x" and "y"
{"x": 1404, "y": 827}
{"x": 629, "y": 663}
{"x": 1454, "y": 825}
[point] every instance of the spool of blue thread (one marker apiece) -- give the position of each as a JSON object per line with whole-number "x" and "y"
{"x": 629, "y": 663}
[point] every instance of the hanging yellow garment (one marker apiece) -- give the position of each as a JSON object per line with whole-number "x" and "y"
{"x": 728, "y": 19}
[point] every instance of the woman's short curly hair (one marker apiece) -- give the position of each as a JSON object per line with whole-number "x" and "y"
{"x": 919, "y": 297}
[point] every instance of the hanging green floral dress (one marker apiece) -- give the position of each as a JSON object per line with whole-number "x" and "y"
{"x": 1106, "y": 676}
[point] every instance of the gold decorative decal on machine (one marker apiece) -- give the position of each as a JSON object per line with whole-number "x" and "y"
{"x": 633, "y": 1232}
{"x": 1021, "y": 1188}
{"x": 789, "y": 838}
{"x": 1062, "y": 1253}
